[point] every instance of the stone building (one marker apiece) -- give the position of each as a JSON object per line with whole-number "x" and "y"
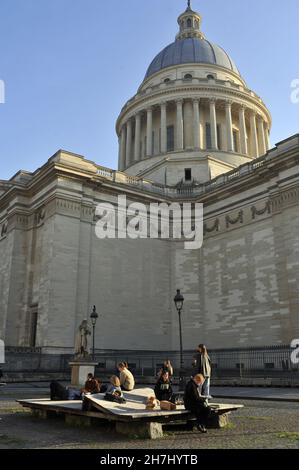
{"x": 193, "y": 132}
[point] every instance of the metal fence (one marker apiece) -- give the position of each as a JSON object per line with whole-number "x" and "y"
{"x": 264, "y": 362}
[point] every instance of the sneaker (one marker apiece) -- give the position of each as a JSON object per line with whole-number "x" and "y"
{"x": 202, "y": 428}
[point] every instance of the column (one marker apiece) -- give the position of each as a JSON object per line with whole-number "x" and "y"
{"x": 179, "y": 126}
{"x": 213, "y": 120}
{"x": 267, "y": 137}
{"x": 261, "y": 136}
{"x": 163, "y": 128}
{"x": 137, "y": 137}
{"x": 122, "y": 163}
{"x": 243, "y": 132}
{"x": 253, "y": 132}
{"x": 129, "y": 143}
{"x": 196, "y": 131}
{"x": 149, "y": 132}
{"x": 229, "y": 126}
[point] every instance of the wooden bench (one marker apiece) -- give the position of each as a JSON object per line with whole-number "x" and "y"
{"x": 131, "y": 419}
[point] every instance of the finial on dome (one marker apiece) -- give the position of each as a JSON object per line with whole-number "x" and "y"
{"x": 189, "y": 23}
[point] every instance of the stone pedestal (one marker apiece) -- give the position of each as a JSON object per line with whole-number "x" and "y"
{"x": 80, "y": 370}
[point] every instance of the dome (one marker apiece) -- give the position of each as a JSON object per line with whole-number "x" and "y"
{"x": 191, "y": 50}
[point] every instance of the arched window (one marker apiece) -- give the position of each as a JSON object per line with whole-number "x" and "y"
{"x": 210, "y": 77}
{"x": 188, "y": 76}
{"x": 189, "y": 23}
{"x": 196, "y": 24}
{"x": 167, "y": 80}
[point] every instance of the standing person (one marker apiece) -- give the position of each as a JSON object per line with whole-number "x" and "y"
{"x": 196, "y": 403}
{"x": 167, "y": 367}
{"x": 202, "y": 362}
{"x": 163, "y": 388}
{"x": 127, "y": 380}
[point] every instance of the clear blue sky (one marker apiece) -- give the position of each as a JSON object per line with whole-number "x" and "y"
{"x": 70, "y": 65}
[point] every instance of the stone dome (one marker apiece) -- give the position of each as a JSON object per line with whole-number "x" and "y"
{"x": 191, "y": 50}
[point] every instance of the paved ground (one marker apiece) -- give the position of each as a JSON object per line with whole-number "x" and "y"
{"x": 263, "y": 393}
{"x": 261, "y": 424}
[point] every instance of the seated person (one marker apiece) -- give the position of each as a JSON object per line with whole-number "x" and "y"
{"x": 92, "y": 385}
{"x": 59, "y": 392}
{"x": 163, "y": 388}
{"x": 196, "y": 403}
{"x": 127, "y": 380}
{"x": 114, "y": 386}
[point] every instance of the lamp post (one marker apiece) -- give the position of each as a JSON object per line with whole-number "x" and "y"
{"x": 94, "y": 316}
{"x": 179, "y": 302}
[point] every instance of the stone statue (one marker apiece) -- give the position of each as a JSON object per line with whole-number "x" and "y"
{"x": 81, "y": 343}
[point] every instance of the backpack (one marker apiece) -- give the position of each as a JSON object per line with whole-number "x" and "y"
{"x": 114, "y": 398}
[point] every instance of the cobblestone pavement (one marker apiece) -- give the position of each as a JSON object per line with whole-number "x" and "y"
{"x": 260, "y": 425}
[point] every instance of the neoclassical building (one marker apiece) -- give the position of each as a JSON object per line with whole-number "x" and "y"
{"x": 193, "y": 132}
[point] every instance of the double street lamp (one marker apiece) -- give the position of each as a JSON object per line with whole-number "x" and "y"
{"x": 179, "y": 303}
{"x": 94, "y": 316}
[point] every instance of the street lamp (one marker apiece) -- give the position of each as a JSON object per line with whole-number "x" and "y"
{"x": 94, "y": 316}
{"x": 179, "y": 302}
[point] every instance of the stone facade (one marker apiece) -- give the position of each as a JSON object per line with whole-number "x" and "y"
{"x": 240, "y": 288}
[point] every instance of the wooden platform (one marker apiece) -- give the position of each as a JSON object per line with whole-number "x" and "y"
{"x": 131, "y": 418}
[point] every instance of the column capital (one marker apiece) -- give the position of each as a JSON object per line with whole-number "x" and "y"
{"x": 163, "y": 104}
{"x": 149, "y": 109}
{"x": 259, "y": 118}
{"x": 196, "y": 100}
{"x": 228, "y": 103}
{"x": 137, "y": 115}
{"x": 179, "y": 101}
{"x": 212, "y": 100}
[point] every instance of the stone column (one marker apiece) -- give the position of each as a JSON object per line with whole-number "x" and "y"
{"x": 267, "y": 137}
{"x": 196, "y": 131}
{"x": 163, "y": 128}
{"x": 179, "y": 125}
{"x": 149, "y": 132}
{"x": 129, "y": 143}
{"x": 253, "y": 132}
{"x": 122, "y": 164}
{"x": 229, "y": 126}
{"x": 137, "y": 137}
{"x": 261, "y": 136}
{"x": 243, "y": 132}
{"x": 213, "y": 120}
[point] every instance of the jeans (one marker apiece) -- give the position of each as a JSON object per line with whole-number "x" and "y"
{"x": 205, "y": 391}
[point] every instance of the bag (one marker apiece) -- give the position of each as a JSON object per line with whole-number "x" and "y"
{"x": 167, "y": 406}
{"x": 114, "y": 398}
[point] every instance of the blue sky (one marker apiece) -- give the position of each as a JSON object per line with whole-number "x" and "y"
{"x": 70, "y": 65}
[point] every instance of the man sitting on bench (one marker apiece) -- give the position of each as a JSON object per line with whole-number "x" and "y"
{"x": 196, "y": 403}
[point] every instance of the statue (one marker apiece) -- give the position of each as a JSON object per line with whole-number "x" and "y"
{"x": 81, "y": 343}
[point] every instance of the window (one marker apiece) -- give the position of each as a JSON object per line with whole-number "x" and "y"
{"x": 236, "y": 141}
{"x": 189, "y": 23}
{"x": 170, "y": 138}
{"x": 208, "y": 136}
{"x": 219, "y": 136}
{"x": 188, "y": 174}
{"x": 153, "y": 143}
{"x": 33, "y": 326}
{"x": 188, "y": 76}
{"x": 167, "y": 80}
{"x": 210, "y": 77}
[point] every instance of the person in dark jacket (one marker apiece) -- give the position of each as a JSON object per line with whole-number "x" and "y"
{"x": 202, "y": 362}
{"x": 163, "y": 388}
{"x": 196, "y": 403}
